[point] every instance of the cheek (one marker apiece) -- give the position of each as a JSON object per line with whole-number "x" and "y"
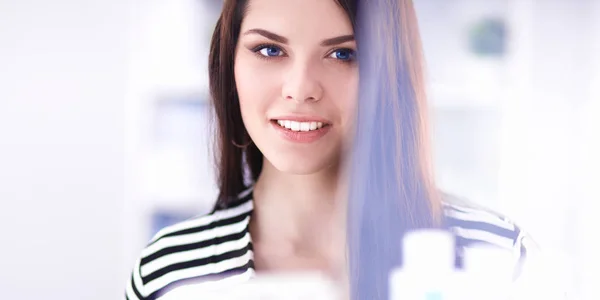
{"x": 255, "y": 81}
{"x": 343, "y": 87}
{"x": 247, "y": 82}
{"x": 352, "y": 91}
{"x": 256, "y": 86}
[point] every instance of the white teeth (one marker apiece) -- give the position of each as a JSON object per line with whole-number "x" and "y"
{"x": 304, "y": 126}
{"x": 295, "y": 126}
{"x": 300, "y": 126}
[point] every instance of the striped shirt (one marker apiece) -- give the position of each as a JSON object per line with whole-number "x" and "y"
{"x": 217, "y": 248}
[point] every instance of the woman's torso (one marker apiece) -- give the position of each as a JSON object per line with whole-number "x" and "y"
{"x": 217, "y": 249}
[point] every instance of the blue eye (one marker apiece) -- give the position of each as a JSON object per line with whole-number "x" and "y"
{"x": 343, "y": 54}
{"x": 270, "y": 51}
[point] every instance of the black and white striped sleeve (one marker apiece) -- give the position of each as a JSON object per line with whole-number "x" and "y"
{"x": 135, "y": 287}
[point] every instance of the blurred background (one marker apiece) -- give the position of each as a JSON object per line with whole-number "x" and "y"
{"x": 104, "y": 135}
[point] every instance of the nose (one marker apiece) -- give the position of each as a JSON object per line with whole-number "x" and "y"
{"x": 302, "y": 84}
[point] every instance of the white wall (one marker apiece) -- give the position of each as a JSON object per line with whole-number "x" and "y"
{"x": 547, "y": 163}
{"x": 543, "y": 150}
{"x": 62, "y": 85}
{"x": 586, "y": 232}
{"x": 168, "y": 60}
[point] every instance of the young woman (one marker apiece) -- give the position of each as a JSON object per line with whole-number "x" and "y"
{"x": 294, "y": 115}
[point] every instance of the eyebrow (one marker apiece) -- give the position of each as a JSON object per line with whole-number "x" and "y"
{"x": 267, "y": 34}
{"x": 338, "y": 40}
{"x": 280, "y": 39}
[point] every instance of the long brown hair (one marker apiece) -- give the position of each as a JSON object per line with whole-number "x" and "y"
{"x": 235, "y": 155}
{"x": 391, "y": 188}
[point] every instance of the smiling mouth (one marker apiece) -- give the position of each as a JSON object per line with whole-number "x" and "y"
{"x": 300, "y": 126}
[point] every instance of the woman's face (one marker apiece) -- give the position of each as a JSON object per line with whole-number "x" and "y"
{"x": 297, "y": 81}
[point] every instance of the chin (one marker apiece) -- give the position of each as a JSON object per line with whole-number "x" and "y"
{"x": 301, "y": 166}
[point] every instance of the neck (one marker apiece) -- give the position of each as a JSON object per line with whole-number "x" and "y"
{"x": 288, "y": 206}
{"x": 296, "y": 194}
{"x": 301, "y": 215}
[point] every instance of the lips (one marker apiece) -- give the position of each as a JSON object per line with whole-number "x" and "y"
{"x": 301, "y": 130}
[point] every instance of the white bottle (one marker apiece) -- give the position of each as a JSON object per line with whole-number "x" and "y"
{"x": 274, "y": 286}
{"x": 281, "y": 286}
{"x": 428, "y": 271}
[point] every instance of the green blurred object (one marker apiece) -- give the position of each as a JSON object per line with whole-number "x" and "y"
{"x": 488, "y": 37}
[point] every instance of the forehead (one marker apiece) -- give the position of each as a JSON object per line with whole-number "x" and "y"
{"x": 311, "y": 18}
